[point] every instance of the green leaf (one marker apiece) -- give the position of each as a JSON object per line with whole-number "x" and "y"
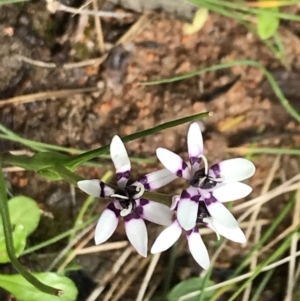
{"x": 49, "y": 174}
{"x": 25, "y": 216}
{"x": 24, "y": 291}
{"x": 267, "y": 24}
{"x": 189, "y": 286}
{"x": 19, "y": 237}
{"x": 24, "y": 210}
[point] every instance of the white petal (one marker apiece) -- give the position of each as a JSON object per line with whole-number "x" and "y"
{"x": 155, "y": 212}
{"x": 137, "y": 235}
{"x": 173, "y": 163}
{"x": 233, "y": 170}
{"x": 121, "y": 161}
{"x": 95, "y": 188}
{"x": 157, "y": 179}
{"x": 167, "y": 238}
{"x": 231, "y": 191}
{"x": 198, "y": 248}
{"x": 219, "y": 212}
{"x": 234, "y": 234}
{"x": 195, "y": 141}
{"x": 187, "y": 213}
{"x": 107, "y": 224}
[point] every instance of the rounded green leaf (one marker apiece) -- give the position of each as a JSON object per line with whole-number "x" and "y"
{"x": 267, "y": 24}
{"x": 19, "y": 237}
{"x": 189, "y": 286}
{"x": 24, "y": 291}
{"x": 25, "y": 211}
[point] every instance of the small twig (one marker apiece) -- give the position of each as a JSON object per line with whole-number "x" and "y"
{"x": 70, "y": 245}
{"x": 44, "y": 95}
{"x": 293, "y": 249}
{"x": 103, "y": 248}
{"x": 98, "y": 28}
{"x": 134, "y": 30}
{"x": 54, "y": 6}
{"x": 131, "y": 278}
{"x": 153, "y": 288}
{"x": 278, "y": 238}
{"x": 115, "y": 269}
{"x": 116, "y": 283}
{"x": 253, "y": 264}
{"x": 285, "y": 187}
{"x": 264, "y": 190}
{"x": 13, "y": 169}
{"x": 148, "y": 276}
{"x": 72, "y": 255}
{"x": 239, "y": 278}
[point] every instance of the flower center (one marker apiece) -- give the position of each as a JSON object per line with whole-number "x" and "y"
{"x": 126, "y": 197}
{"x": 201, "y": 179}
{"x": 202, "y": 213}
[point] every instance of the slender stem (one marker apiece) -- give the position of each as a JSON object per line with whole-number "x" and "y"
{"x": 59, "y": 237}
{"x": 7, "y": 229}
{"x": 67, "y": 175}
{"x": 251, "y": 63}
{"x": 46, "y": 147}
{"x": 266, "y": 235}
{"x": 99, "y": 151}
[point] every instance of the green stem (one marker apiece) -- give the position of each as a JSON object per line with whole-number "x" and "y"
{"x": 59, "y": 237}
{"x": 276, "y": 254}
{"x": 99, "y": 151}
{"x": 67, "y": 175}
{"x": 265, "y": 237}
{"x": 7, "y": 229}
{"x": 269, "y": 76}
{"x": 45, "y": 147}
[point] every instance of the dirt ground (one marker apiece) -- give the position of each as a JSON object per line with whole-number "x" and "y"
{"x": 119, "y": 105}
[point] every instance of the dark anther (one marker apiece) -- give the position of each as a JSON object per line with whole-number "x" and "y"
{"x": 128, "y": 193}
{"x": 202, "y": 212}
{"x": 201, "y": 180}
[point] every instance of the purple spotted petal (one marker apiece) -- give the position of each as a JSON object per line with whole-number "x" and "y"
{"x": 107, "y": 224}
{"x": 95, "y": 188}
{"x": 154, "y": 212}
{"x": 195, "y": 144}
{"x": 188, "y": 208}
{"x": 137, "y": 233}
{"x": 233, "y": 170}
{"x": 157, "y": 179}
{"x": 234, "y": 234}
{"x": 173, "y": 163}
{"x": 167, "y": 238}
{"x": 198, "y": 248}
{"x": 220, "y": 213}
{"x": 231, "y": 191}
{"x": 121, "y": 161}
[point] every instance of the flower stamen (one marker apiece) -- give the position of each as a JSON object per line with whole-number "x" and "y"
{"x": 119, "y": 196}
{"x": 208, "y": 221}
{"x": 140, "y": 190}
{"x": 126, "y": 211}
